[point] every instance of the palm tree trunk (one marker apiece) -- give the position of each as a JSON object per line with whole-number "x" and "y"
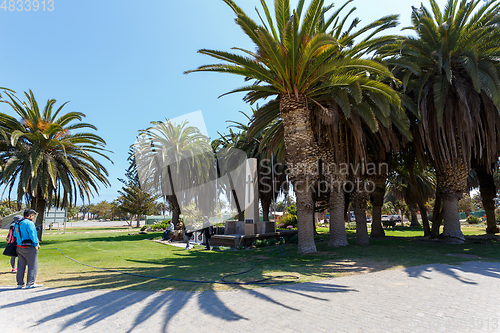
{"x": 359, "y": 201}
{"x": 176, "y": 209}
{"x": 176, "y": 212}
{"x": 488, "y": 193}
{"x": 302, "y": 159}
{"x": 414, "y": 219}
{"x": 425, "y": 219}
{"x": 338, "y": 235}
{"x": 265, "y": 209}
{"x": 437, "y": 216}
{"x": 305, "y": 212}
{"x": 451, "y": 183}
{"x": 420, "y": 203}
{"x": 451, "y": 219}
{"x": 377, "y": 199}
{"x": 138, "y": 224}
{"x": 241, "y": 212}
{"x": 489, "y": 207}
{"x": 39, "y": 204}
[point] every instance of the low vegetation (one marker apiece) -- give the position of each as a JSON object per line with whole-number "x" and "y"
{"x": 135, "y": 254}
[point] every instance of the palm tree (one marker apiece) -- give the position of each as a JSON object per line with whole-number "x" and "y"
{"x": 451, "y": 69}
{"x": 414, "y": 184}
{"x": 298, "y": 65}
{"x": 176, "y": 161}
{"x": 46, "y": 157}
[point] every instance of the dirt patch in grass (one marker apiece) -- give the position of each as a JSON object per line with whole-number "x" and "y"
{"x": 349, "y": 267}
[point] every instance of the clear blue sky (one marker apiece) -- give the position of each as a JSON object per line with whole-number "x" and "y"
{"x": 121, "y": 62}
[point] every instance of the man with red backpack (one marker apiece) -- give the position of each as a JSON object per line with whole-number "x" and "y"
{"x": 27, "y": 250}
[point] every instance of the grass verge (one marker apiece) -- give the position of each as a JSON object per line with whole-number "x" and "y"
{"x": 135, "y": 254}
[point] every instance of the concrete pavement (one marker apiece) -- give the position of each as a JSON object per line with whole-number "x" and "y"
{"x": 428, "y": 298}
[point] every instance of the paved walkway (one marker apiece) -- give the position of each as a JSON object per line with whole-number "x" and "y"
{"x": 429, "y": 298}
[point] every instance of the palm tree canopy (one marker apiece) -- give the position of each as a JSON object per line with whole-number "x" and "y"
{"x": 451, "y": 69}
{"x": 295, "y": 57}
{"x": 176, "y": 160}
{"x": 44, "y": 153}
{"x": 343, "y": 106}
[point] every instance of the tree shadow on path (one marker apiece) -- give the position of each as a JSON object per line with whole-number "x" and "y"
{"x": 489, "y": 269}
{"x": 86, "y": 309}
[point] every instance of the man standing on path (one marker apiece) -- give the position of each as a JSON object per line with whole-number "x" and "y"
{"x": 27, "y": 250}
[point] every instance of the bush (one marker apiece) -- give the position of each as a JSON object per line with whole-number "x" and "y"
{"x": 293, "y": 240}
{"x": 261, "y": 242}
{"x": 351, "y": 226}
{"x": 389, "y": 224}
{"x": 159, "y": 226}
{"x": 269, "y": 242}
{"x": 473, "y": 219}
{"x": 289, "y": 220}
{"x": 144, "y": 227}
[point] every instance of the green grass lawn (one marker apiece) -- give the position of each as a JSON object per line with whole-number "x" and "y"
{"x": 136, "y": 254}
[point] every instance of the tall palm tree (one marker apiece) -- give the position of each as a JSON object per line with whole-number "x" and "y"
{"x": 451, "y": 68}
{"x": 298, "y": 65}
{"x": 45, "y": 155}
{"x": 176, "y": 161}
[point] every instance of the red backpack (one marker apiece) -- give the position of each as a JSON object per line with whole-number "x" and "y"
{"x": 10, "y": 236}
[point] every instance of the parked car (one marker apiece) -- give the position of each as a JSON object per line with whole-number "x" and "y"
{"x": 397, "y": 218}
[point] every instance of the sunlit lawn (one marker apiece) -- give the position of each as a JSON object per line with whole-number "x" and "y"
{"x": 135, "y": 254}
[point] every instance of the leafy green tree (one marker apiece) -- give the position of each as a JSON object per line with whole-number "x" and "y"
{"x": 116, "y": 210}
{"x": 45, "y": 155}
{"x": 5, "y": 210}
{"x": 73, "y": 211}
{"x": 133, "y": 199}
{"x": 104, "y": 210}
{"x": 93, "y": 211}
{"x": 466, "y": 205}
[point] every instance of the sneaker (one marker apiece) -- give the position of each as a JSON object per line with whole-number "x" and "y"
{"x": 34, "y": 285}
{"x": 20, "y": 286}
{"x": 14, "y": 270}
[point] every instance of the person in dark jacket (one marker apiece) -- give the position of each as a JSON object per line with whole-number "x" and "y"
{"x": 207, "y": 231}
{"x": 188, "y": 233}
